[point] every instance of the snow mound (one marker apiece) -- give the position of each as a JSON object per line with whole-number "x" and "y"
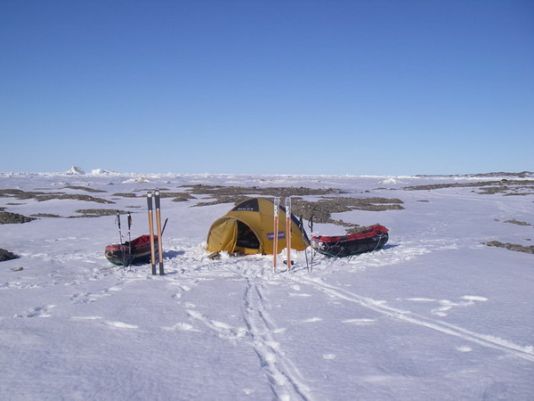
{"x": 75, "y": 170}
{"x": 389, "y": 181}
{"x": 103, "y": 172}
{"x": 136, "y": 180}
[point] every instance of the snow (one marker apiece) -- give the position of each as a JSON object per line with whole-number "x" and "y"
{"x": 75, "y": 170}
{"x": 436, "y": 315}
{"x": 104, "y": 172}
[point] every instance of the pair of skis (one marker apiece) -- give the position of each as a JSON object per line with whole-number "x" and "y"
{"x": 287, "y": 232}
{"x": 154, "y": 198}
{"x": 126, "y": 262}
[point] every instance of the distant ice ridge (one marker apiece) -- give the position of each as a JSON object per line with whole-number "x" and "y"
{"x": 139, "y": 179}
{"x": 75, "y": 170}
{"x": 389, "y": 180}
{"x": 101, "y": 171}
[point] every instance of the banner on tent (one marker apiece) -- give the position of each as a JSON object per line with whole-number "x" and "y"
{"x": 281, "y": 234}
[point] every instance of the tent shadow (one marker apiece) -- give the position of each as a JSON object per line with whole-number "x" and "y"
{"x": 389, "y": 246}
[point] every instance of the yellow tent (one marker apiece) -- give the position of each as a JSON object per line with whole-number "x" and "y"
{"x": 248, "y": 229}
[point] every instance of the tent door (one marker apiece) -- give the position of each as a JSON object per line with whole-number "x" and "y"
{"x": 246, "y": 239}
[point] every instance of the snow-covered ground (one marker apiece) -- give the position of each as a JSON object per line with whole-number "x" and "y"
{"x": 436, "y": 315}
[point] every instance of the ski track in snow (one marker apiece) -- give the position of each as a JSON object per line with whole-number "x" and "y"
{"x": 489, "y": 341}
{"x": 285, "y": 380}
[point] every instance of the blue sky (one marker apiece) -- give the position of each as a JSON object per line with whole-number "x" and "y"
{"x": 284, "y": 87}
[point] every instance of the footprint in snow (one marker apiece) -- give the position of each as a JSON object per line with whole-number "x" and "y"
{"x": 464, "y": 348}
{"x": 312, "y": 320}
{"x": 446, "y": 305}
{"x": 223, "y": 330}
{"x": 88, "y": 297}
{"x": 81, "y": 298}
{"x": 17, "y": 285}
{"x": 474, "y": 298}
{"x": 420, "y": 299}
{"x": 194, "y": 314}
{"x": 181, "y": 327}
{"x": 359, "y": 321}
{"x": 121, "y": 325}
{"x": 86, "y": 317}
{"x": 38, "y": 311}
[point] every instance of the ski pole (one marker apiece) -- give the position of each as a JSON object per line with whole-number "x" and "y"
{"x": 119, "y": 225}
{"x": 310, "y": 225}
{"x": 120, "y": 238}
{"x": 129, "y": 238}
{"x": 301, "y": 226}
{"x": 164, "y": 225}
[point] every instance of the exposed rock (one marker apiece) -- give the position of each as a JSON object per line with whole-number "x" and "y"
{"x": 46, "y": 215}
{"x": 82, "y": 188}
{"x": 126, "y": 194}
{"x": 512, "y": 247}
{"x": 6, "y": 255}
{"x": 522, "y": 174}
{"x": 505, "y": 186}
{"x": 518, "y": 222}
{"x": 323, "y": 208}
{"x": 98, "y": 212}
{"x": 13, "y": 218}
{"x": 218, "y": 190}
{"x": 45, "y": 196}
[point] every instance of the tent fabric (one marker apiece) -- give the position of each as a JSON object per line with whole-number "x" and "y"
{"x": 249, "y": 229}
{"x": 223, "y": 234}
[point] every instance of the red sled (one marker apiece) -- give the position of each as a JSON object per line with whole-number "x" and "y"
{"x": 370, "y": 239}
{"x": 136, "y": 252}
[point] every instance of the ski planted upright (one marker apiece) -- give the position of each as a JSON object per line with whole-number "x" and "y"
{"x": 275, "y": 231}
{"x": 158, "y": 224}
{"x": 288, "y": 231}
{"x": 151, "y": 231}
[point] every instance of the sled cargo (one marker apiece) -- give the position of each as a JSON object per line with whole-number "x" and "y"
{"x": 370, "y": 239}
{"x": 119, "y": 254}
